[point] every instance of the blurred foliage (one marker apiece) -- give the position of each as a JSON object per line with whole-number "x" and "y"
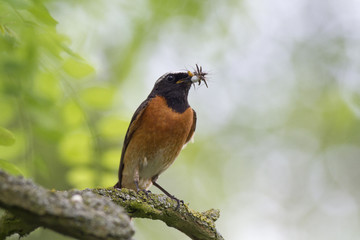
{"x": 61, "y": 114}
{"x": 7, "y": 138}
{"x": 282, "y": 150}
{"x": 58, "y": 122}
{"x": 44, "y": 100}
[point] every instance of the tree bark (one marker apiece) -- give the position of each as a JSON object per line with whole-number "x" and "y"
{"x": 80, "y": 214}
{"x": 93, "y": 213}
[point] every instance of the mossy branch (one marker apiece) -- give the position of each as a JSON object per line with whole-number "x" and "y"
{"x": 86, "y": 215}
{"x": 158, "y": 206}
{"x": 80, "y": 214}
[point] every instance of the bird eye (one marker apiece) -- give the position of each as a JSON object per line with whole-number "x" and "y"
{"x": 170, "y": 78}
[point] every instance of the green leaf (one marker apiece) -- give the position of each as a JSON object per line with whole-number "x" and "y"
{"x": 8, "y": 110}
{"x": 17, "y": 149}
{"x": 98, "y": 97}
{"x": 7, "y": 138}
{"x": 111, "y": 158}
{"x": 72, "y": 114}
{"x": 43, "y": 15}
{"x": 20, "y": 4}
{"x": 77, "y": 69}
{"x": 112, "y": 127}
{"x": 76, "y": 148}
{"x": 108, "y": 179}
{"x": 46, "y": 85}
{"x": 81, "y": 177}
{"x": 10, "y": 168}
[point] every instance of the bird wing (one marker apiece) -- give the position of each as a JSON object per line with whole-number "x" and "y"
{"x": 134, "y": 124}
{"x": 192, "y": 129}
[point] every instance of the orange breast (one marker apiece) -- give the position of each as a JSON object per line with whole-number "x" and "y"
{"x": 156, "y": 143}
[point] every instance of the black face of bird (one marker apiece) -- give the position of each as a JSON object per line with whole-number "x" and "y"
{"x": 179, "y": 82}
{"x": 174, "y": 82}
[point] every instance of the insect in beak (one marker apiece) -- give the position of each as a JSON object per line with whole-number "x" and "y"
{"x": 198, "y": 75}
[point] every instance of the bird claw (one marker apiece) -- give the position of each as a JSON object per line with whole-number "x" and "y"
{"x": 177, "y": 201}
{"x": 146, "y": 192}
{"x": 169, "y": 195}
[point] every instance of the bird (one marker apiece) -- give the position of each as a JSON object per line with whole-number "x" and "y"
{"x": 160, "y": 127}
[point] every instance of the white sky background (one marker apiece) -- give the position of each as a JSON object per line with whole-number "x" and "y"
{"x": 247, "y": 47}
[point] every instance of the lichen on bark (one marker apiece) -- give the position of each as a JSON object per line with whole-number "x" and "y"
{"x": 101, "y": 213}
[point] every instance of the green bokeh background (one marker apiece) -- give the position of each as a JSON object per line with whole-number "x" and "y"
{"x": 277, "y": 146}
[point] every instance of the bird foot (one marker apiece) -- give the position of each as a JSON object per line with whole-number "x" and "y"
{"x": 146, "y": 192}
{"x": 169, "y": 195}
{"x": 178, "y": 201}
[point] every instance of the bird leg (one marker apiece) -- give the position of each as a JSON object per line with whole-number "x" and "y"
{"x": 136, "y": 181}
{"x": 141, "y": 190}
{"x": 169, "y": 195}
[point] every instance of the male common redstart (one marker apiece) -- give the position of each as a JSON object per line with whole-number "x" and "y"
{"x": 158, "y": 130}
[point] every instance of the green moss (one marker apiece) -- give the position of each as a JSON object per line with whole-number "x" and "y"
{"x": 11, "y": 225}
{"x": 161, "y": 207}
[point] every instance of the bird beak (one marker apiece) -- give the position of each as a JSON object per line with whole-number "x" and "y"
{"x": 190, "y": 79}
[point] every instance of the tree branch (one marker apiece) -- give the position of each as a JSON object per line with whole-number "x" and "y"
{"x": 86, "y": 215}
{"x": 80, "y": 214}
{"x": 158, "y": 206}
